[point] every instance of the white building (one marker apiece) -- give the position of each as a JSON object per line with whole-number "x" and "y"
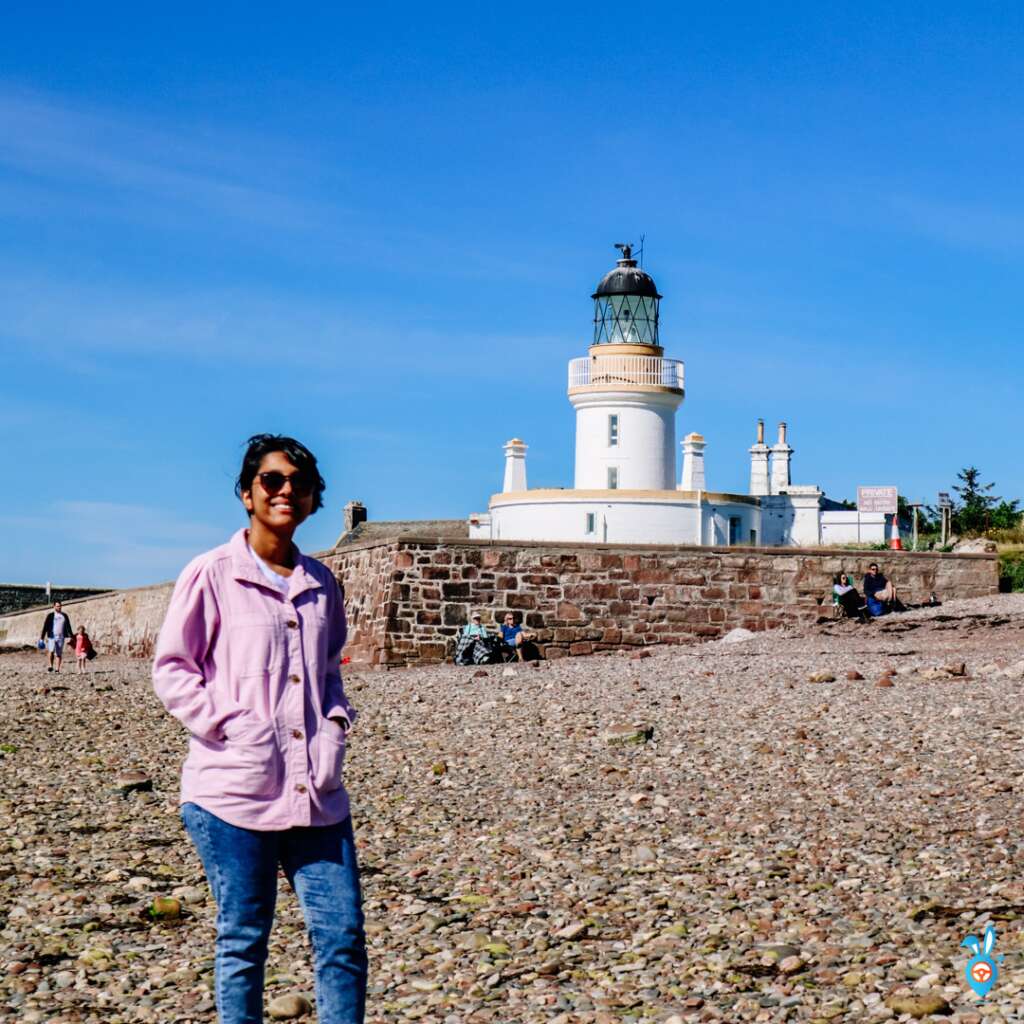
{"x": 626, "y": 394}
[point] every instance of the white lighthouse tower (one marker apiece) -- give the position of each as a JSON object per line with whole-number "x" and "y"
{"x": 626, "y": 394}
{"x": 624, "y": 391}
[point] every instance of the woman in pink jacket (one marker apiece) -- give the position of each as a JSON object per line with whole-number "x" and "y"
{"x": 248, "y": 659}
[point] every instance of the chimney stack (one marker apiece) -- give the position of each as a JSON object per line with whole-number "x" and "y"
{"x": 693, "y": 463}
{"x": 781, "y": 455}
{"x": 759, "y": 464}
{"x": 515, "y": 465}
{"x": 355, "y": 513}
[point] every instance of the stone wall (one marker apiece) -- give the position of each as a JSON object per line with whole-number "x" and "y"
{"x": 365, "y": 572}
{"x": 15, "y": 597}
{"x": 407, "y": 597}
{"x": 584, "y": 599}
{"x": 119, "y": 622}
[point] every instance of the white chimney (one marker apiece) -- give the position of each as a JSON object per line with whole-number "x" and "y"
{"x": 759, "y": 464}
{"x": 693, "y": 463}
{"x": 781, "y": 455}
{"x": 515, "y": 465}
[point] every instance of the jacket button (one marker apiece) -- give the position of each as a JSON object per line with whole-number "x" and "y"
{"x": 294, "y": 679}
{"x": 300, "y": 788}
{"x": 292, "y": 624}
{"x": 296, "y": 734}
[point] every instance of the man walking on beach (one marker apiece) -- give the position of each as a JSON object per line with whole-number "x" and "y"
{"x": 56, "y": 629}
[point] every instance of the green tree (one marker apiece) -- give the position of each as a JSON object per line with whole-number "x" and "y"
{"x": 1006, "y": 515}
{"x": 978, "y": 508}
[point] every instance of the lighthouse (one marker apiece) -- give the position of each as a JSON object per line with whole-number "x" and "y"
{"x": 625, "y": 392}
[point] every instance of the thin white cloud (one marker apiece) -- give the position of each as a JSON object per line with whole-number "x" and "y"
{"x": 216, "y": 326}
{"x": 57, "y": 144}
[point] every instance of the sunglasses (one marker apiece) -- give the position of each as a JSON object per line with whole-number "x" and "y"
{"x": 273, "y": 483}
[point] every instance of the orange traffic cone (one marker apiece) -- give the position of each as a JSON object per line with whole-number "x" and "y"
{"x": 895, "y": 544}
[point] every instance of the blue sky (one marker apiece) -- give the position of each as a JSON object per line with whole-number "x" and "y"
{"x": 377, "y": 228}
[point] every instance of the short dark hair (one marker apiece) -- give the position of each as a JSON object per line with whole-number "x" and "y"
{"x": 297, "y": 454}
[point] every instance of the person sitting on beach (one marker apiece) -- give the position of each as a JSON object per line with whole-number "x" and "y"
{"x": 512, "y": 636}
{"x": 847, "y": 598}
{"x": 474, "y": 627}
{"x": 879, "y": 592}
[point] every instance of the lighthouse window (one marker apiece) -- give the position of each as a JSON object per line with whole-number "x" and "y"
{"x": 613, "y": 431}
{"x": 590, "y": 522}
{"x": 613, "y": 478}
{"x": 734, "y": 529}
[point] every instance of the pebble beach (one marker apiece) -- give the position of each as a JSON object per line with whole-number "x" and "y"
{"x": 787, "y": 826}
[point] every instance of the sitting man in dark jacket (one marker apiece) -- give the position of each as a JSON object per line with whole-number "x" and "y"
{"x": 879, "y": 592}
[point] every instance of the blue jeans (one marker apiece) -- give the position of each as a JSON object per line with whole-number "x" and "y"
{"x": 320, "y": 864}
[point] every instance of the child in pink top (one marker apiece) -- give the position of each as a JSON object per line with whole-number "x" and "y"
{"x": 82, "y": 648}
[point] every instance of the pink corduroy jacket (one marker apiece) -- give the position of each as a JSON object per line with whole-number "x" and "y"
{"x": 255, "y": 677}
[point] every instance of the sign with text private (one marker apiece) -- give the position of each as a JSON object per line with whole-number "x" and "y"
{"x": 877, "y": 499}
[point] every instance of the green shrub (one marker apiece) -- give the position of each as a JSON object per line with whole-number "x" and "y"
{"x": 1011, "y": 571}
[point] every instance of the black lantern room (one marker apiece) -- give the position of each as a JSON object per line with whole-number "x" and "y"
{"x": 626, "y": 304}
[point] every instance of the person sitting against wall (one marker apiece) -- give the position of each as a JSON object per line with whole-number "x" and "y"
{"x": 880, "y": 593}
{"x": 475, "y": 626}
{"x": 847, "y": 598}
{"x": 473, "y": 632}
{"x": 513, "y": 637}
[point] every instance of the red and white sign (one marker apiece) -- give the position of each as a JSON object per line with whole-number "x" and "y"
{"x": 877, "y": 499}
{"x": 981, "y": 972}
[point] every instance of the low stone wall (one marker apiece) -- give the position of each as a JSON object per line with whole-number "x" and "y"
{"x": 584, "y": 599}
{"x": 120, "y": 622}
{"x": 365, "y": 572}
{"x": 408, "y": 597}
{"x": 15, "y": 597}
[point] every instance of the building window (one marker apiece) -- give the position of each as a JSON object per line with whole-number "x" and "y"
{"x": 613, "y": 478}
{"x": 613, "y": 431}
{"x": 753, "y": 538}
{"x": 734, "y": 530}
{"x": 591, "y": 522}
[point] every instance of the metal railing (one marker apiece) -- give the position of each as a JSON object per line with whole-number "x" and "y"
{"x": 653, "y": 370}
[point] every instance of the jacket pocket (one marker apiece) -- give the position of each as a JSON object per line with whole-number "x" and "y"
{"x": 255, "y": 644}
{"x": 330, "y": 756}
{"x": 248, "y": 766}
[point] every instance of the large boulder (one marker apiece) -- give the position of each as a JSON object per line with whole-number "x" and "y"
{"x": 975, "y": 546}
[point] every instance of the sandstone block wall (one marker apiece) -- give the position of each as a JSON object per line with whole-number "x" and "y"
{"x": 365, "y": 572}
{"x": 408, "y": 597}
{"x": 584, "y": 599}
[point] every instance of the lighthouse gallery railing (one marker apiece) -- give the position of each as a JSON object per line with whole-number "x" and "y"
{"x": 666, "y": 373}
